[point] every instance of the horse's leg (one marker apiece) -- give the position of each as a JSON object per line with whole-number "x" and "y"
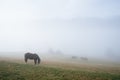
{"x": 26, "y": 60}
{"x": 35, "y": 61}
{"x": 38, "y": 60}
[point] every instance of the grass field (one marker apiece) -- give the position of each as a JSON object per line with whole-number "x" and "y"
{"x": 54, "y": 70}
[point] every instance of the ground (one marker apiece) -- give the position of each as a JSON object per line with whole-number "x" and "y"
{"x": 57, "y": 70}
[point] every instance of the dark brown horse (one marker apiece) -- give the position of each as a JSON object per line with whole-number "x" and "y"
{"x": 32, "y": 56}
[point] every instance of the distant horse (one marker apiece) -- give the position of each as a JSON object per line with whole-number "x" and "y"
{"x": 84, "y": 58}
{"x": 32, "y": 56}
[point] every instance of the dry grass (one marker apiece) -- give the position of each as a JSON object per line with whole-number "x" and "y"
{"x": 16, "y": 69}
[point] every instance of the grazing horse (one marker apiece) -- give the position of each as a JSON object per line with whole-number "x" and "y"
{"x": 84, "y": 58}
{"x": 32, "y": 56}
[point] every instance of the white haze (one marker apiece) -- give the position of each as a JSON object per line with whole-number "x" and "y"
{"x": 88, "y": 28}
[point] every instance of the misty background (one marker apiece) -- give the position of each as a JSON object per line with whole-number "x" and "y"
{"x": 87, "y": 28}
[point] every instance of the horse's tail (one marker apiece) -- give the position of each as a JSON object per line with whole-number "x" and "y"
{"x": 39, "y": 60}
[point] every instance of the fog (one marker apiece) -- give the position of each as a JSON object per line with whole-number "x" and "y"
{"x": 65, "y": 27}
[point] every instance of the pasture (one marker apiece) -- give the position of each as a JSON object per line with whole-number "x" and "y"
{"x": 57, "y": 70}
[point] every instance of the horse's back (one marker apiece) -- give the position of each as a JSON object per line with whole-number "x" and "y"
{"x": 31, "y": 55}
{"x": 28, "y": 55}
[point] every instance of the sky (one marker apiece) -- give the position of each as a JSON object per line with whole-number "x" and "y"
{"x": 75, "y": 27}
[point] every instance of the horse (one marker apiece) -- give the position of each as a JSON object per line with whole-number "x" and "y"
{"x": 84, "y": 58}
{"x": 32, "y": 56}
